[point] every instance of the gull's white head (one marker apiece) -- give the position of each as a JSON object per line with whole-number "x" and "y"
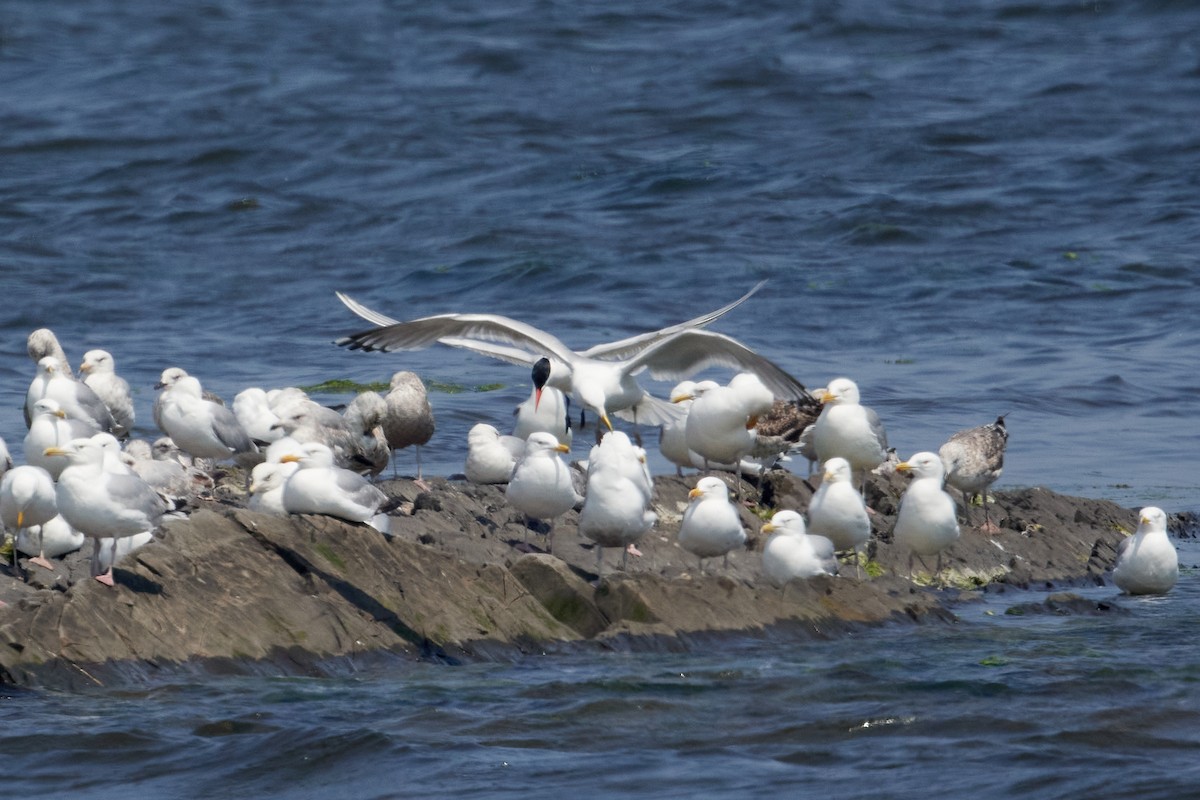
{"x": 923, "y": 465}
{"x": 840, "y": 390}
{"x": 709, "y": 488}
{"x": 789, "y": 522}
{"x": 683, "y": 391}
{"x": 48, "y": 366}
{"x": 170, "y": 376}
{"x": 310, "y": 455}
{"x": 96, "y": 362}
{"x": 48, "y": 405}
{"x": 543, "y": 442}
{"x": 78, "y": 451}
{"x": 837, "y": 470}
{"x": 1152, "y": 519}
{"x": 482, "y": 433}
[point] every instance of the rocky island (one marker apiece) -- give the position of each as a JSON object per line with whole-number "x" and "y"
{"x": 459, "y": 577}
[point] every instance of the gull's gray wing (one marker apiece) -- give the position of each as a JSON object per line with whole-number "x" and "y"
{"x": 877, "y": 427}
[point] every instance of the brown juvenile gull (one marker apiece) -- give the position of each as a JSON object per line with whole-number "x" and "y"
{"x": 600, "y": 379}
{"x": 409, "y": 418}
{"x": 973, "y": 459}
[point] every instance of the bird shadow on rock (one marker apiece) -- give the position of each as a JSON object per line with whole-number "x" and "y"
{"x": 135, "y": 582}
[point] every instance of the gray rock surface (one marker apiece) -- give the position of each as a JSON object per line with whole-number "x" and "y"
{"x": 460, "y": 577}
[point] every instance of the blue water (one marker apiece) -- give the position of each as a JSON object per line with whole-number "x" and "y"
{"x": 972, "y": 208}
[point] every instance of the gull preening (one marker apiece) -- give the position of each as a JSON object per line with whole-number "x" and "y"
{"x": 27, "y": 501}
{"x": 1147, "y": 562}
{"x": 602, "y": 378}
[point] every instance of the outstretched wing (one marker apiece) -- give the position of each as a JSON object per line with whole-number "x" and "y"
{"x": 418, "y": 333}
{"x": 626, "y": 348}
{"x": 690, "y": 351}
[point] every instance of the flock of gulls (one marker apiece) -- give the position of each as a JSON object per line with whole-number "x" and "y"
{"x": 83, "y": 477}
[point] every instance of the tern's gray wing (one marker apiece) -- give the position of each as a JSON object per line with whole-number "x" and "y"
{"x": 626, "y": 348}
{"x": 690, "y": 351}
{"x": 418, "y": 333}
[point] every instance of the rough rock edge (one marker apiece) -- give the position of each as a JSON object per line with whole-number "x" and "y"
{"x": 228, "y": 591}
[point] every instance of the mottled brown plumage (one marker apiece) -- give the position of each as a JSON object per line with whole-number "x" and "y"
{"x": 974, "y": 459}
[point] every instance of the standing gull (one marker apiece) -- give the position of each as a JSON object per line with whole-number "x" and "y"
{"x": 541, "y": 486}
{"x": 837, "y": 511}
{"x": 847, "y": 429}
{"x": 616, "y": 509}
{"x": 926, "y": 522}
{"x": 722, "y": 423}
{"x": 409, "y": 417}
{"x": 102, "y": 504}
{"x": 101, "y": 377}
{"x": 711, "y": 524}
{"x": 602, "y": 378}
{"x": 792, "y": 552}
{"x": 1146, "y": 561}
{"x": 27, "y": 501}
{"x": 973, "y": 459}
